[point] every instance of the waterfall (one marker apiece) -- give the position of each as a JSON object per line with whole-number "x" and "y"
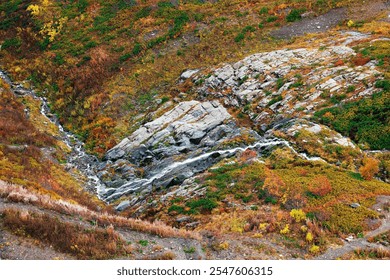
{"x": 142, "y": 184}
{"x": 86, "y": 163}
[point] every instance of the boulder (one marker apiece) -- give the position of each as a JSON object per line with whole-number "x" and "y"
{"x": 123, "y": 205}
{"x": 355, "y": 205}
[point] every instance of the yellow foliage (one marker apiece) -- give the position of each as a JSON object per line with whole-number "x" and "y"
{"x": 223, "y": 245}
{"x": 52, "y": 29}
{"x": 314, "y": 249}
{"x": 285, "y": 230}
{"x": 304, "y": 228}
{"x": 45, "y": 2}
{"x": 33, "y": 9}
{"x": 350, "y": 23}
{"x": 309, "y": 237}
{"x": 237, "y": 225}
{"x": 298, "y": 215}
{"x": 263, "y": 226}
{"x": 257, "y": 235}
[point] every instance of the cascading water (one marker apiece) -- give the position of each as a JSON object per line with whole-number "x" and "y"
{"x": 87, "y": 164}
{"x": 146, "y": 184}
{"x": 77, "y": 158}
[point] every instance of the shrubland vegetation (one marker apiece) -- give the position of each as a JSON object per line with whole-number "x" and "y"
{"x": 102, "y": 62}
{"x": 67, "y": 237}
{"x": 24, "y": 156}
{"x": 310, "y": 201}
{"x": 365, "y": 121}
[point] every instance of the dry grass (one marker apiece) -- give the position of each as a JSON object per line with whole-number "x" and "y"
{"x": 84, "y": 243}
{"x": 19, "y": 194}
{"x": 364, "y": 254}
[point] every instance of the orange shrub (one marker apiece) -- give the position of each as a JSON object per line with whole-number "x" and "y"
{"x": 274, "y": 184}
{"x": 248, "y": 154}
{"x": 320, "y": 186}
{"x": 369, "y": 168}
{"x": 360, "y": 60}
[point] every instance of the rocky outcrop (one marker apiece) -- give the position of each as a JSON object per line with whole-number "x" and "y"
{"x": 180, "y": 128}
{"x": 279, "y": 91}
{"x": 291, "y": 82}
{"x": 182, "y": 142}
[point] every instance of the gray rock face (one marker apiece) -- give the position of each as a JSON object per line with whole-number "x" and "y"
{"x": 188, "y": 73}
{"x": 289, "y": 82}
{"x": 187, "y": 123}
{"x": 123, "y": 205}
{"x": 169, "y": 149}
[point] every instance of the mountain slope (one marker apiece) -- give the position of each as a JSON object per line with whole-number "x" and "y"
{"x": 227, "y": 136}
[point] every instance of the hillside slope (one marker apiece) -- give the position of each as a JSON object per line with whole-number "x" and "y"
{"x": 194, "y": 129}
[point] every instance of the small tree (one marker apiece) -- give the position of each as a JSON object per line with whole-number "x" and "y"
{"x": 369, "y": 168}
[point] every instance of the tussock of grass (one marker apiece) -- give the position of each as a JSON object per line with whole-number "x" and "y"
{"x": 19, "y": 194}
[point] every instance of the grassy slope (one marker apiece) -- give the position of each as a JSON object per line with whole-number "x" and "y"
{"x": 103, "y": 62}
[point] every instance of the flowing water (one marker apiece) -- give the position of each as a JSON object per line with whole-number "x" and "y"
{"x": 147, "y": 183}
{"x": 86, "y": 163}
{"x": 77, "y": 158}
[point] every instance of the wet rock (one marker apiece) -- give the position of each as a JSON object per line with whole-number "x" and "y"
{"x": 349, "y": 238}
{"x": 183, "y": 219}
{"x": 168, "y": 150}
{"x": 192, "y": 225}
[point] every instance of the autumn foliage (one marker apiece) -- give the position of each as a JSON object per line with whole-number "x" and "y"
{"x": 369, "y": 168}
{"x": 320, "y": 186}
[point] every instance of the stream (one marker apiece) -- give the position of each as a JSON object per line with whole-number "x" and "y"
{"x": 77, "y": 158}
{"x": 87, "y": 164}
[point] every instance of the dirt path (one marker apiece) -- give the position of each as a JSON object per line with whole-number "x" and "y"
{"x": 311, "y": 25}
{"x": 358, "y": 12}
{"x": 362, "y": 243}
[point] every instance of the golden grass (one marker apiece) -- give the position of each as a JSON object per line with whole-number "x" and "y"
{"x": 19, "y": 194}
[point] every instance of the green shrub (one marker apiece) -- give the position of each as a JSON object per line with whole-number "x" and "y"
{"x": 202, "y": 204}
{"x": 176, "y": 208}
{"x": 144, "y": 12}
{"x": 274, "y": 100}
{"x": 351, "y": 88}
{"x": 125, "y": 57}
{"x": 248, "y": 28}
{"x": 271, "y": 19}
{"x": 280, "y": 82}
{"x": 136, "y": 49}
{"x": 239, "y": 37}
{"x": 14, "y": 42}
{"x": 271, "y": 199}
{"x": 366, "y": 121}
{"x": 385, "y": 84}
{"x": 190, "y": 250}
{"x": 294, "y": 15}
{"x": 264, "y": 11}
{"x": 82, "y": 5}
